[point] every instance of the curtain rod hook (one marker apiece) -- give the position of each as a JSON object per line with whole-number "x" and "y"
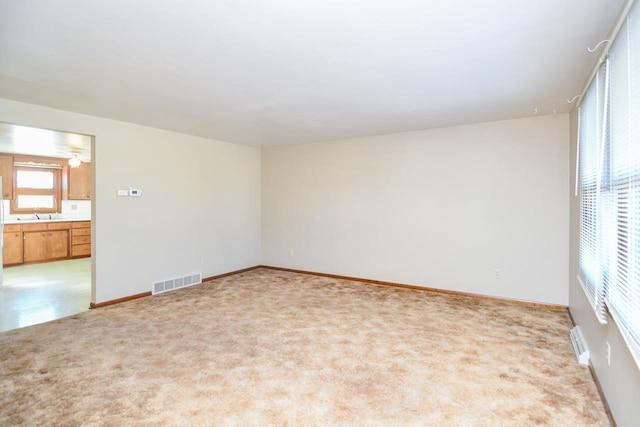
{"x": 570, "y": 101}
{"x": 597, "y": 46}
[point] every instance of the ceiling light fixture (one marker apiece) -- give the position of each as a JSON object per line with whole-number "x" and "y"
{"x": 74, "y": 162}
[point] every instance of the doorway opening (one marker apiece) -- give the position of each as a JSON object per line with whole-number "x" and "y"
{"x": 47, "y": 224}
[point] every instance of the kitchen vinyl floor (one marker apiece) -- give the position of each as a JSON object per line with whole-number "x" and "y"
{"x": 38, "y": 293}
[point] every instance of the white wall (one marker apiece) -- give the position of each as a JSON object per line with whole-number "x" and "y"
{"x": 200, "y": 197}
{"x": 620, "y": 380}
{"x": 439, "y": 208}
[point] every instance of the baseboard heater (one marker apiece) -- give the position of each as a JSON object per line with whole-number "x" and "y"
{"x": 579, "y": 345}
{"x": 176, "y": 283}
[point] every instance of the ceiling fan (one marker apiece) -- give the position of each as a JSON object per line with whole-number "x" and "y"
{"x": 75, "y": 161}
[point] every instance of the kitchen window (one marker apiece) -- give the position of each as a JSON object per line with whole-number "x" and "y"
{"x": 36, "y": 190}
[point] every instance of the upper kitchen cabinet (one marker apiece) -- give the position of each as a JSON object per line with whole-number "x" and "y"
{"x": 80, "y": 182}
{"x": 6, "y": 172}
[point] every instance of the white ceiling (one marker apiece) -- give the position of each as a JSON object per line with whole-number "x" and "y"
{"x": 44, "y": 142}
{"x": 271, "y": 72}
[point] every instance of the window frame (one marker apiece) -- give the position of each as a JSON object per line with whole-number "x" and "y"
{"x": 56, "y": 191}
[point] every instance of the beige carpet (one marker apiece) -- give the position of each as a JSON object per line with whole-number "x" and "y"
{"x": 276, "y": 348}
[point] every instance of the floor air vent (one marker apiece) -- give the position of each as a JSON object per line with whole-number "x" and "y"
{"x": 579, "y": 345}
{"x": 177, "y": 283}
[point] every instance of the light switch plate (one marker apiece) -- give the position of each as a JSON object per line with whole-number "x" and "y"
{"x": 122, "y": 193}
{"x": 135, "y": 192}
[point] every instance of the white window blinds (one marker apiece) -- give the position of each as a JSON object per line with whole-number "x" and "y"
{"x": 591, "y": 119}
{"x": 623, "y": 296}
{"x": 609, "y": 184}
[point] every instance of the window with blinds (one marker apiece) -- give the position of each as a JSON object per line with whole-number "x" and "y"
{"x": 591, "y": 154}
{"x": 609, "y": 162}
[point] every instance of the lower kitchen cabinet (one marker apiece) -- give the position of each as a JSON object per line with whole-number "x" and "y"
{"x": 35, "y": 246}
{"x": 57, "y": 244}
{"x": 12, "y": 247}
{"x": 46, "y": 245}
{"x": 81, "y": 239}
{"x": 46, "y": 241}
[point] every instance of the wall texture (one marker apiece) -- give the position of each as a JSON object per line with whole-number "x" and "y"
{"x": 440, "y": 208}
{"x": 620, "y": 380}
{"x": 200, "y": 198}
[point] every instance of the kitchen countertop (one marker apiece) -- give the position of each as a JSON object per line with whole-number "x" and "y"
{"x": 31, "y": 221}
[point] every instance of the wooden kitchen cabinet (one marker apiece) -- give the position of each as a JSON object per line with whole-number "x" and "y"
{"x": 12, "y": 248}
{"x": 80, "y": 239}
{"x": 6, "y": 172}
{"x": 45, "y": 241}
{"x": 35, "y": 246}
{"x": 57, "y": 244}
{"x": 80, "y": 182}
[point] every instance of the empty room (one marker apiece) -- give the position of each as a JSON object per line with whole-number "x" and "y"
{"x": 321, "y": 213}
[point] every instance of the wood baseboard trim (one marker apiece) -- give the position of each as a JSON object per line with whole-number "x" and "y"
{"x": 231, "y": 273}
{"x": 355, "y": 279}
{"x": 119, "y": 300}
{"x": 426, "y": 289}
{"x": 146, "y": 294}
{"x": 605, "y": 403}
